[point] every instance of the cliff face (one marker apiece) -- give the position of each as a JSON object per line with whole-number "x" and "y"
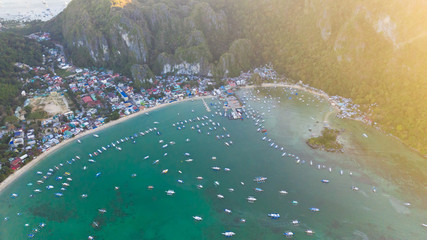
{"x": 372, "y": 51}
{"x": 168, "y": 36}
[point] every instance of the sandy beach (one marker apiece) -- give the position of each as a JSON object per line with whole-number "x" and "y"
{"x": 291, "y": 85}
{"x": 305, "y": 89}
{"x": 38, "y": 159}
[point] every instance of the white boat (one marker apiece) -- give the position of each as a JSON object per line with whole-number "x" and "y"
{"x": 260, "y": 179}
{"x": 314, "y": 209}
{"x": 197, "y": 218}
{"x": 309, "y": 232}
{"x": 146, "y": 157}
{"x": 180, "y": 181}
{"x": 91, "y": 160}
{"x": 295, "y": 222}
{"x": 354, "y": 188}
{"x": 95, "y": 135}
{"x": 165, "y": 171}
{"x": 325, "y": 181}
{"x": 189, "y": 160}
{"x": 228, "y": 234}
{"x": 274, "y": 215}
{"x": 227, "y": 169}
{"x": 14, "y": 195}
{"x": 220, "y": 196}
{"x": 102, "y": 210}
{"x": 199, "y": 178}
{"x": 231, "y": 189}
{"x": 156, "y": 162}
{"x": 227, "y": 211}
{"x": 37, "y": 190}
{"x": 199, "y": 186}
{"x": 58, "y": 194}
{"x": 216, "y": 168}
{"x": 49, "y": 187}
{"x": 78, "y": 140}
{"x": 170, "y": 192}
{"x": 283, "y": 192}
{"x": 251, "y": 199}
{"x": 288, "y": 234}
{"x": 83, "y": 195}
{"x": 216, "y": 183}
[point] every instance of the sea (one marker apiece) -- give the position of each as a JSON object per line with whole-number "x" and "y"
{"x": 376, "y": 188}
{"x": 27, "y": 10}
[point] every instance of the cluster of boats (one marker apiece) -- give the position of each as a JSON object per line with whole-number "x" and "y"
{"x": 203, "y": 124}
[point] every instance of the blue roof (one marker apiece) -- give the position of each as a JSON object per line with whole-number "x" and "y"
{"x": 123, "y": 94}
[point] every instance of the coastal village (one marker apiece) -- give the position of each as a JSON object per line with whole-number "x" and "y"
{"x": 72, "y": 100}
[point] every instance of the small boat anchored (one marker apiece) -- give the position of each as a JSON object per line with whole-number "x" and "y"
{"x": 274, "y": 215}
{"x": 170, "y": 192}
{"x": 228, "y": 234}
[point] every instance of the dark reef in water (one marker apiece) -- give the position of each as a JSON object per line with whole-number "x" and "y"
{"x": 60, "y": 214}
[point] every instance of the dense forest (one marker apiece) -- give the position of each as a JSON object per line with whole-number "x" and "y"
{"x": 374, "y": 52}
{"x": 14, "y": 48}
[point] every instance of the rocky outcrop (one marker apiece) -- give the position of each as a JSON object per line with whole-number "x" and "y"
{"x": 166, "y": 36}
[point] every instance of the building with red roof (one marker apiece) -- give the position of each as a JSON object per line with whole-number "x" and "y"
{"x": 87, "y": 99}
{"x": 16, "y": 163}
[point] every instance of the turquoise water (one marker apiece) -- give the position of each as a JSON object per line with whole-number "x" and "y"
{"x": 135, "y": 212}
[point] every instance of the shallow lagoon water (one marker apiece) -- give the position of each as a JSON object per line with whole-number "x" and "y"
{"x": 135, "y": 212}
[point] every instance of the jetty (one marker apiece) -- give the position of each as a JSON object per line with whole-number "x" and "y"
{"x": 206, "y": 105}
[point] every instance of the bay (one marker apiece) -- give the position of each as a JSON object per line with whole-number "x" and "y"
{"x": 136, "y": 212}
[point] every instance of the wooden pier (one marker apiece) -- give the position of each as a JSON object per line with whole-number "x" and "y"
{"x": 206, "y": 105}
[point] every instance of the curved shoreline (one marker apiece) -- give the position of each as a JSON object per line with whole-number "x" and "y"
{"x": 336, "y": 109}
{"x": 305, "y": 89}
{"x": 14, "y": 176}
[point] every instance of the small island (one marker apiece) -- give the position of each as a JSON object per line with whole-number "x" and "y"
{"x": 327, "y": 141}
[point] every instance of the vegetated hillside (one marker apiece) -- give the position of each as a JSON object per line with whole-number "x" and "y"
{"x": 372, "y": 51}
{"x": 146, "y": 36}
{"x": 14, "y": 48}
